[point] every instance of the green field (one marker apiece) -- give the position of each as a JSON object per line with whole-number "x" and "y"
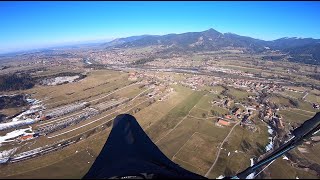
{"x": 281, "y": 169}
{"x": 293, "y": 94}
{"x": 312, "y": 97}
{"x": 73, "y": 167}
{"x": 280, "y": 101}
{"x": 199, "y": 151}
{"x": 296, "y": 116}
{"x": 239, "y": 95}
{"x": 303, "y": 105}
{"x": 173, "y": 117}
{"x": 203, "y": 107}
{"x": 220, "y": 110}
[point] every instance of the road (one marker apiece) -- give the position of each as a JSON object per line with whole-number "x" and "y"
{"x": 225, "y": 139}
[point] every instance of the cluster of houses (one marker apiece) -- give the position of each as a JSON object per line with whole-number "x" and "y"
{"x": 211, "y": 68}
{"x": 194, "y": 82}
{"x": 197, "y": 81}
{"x": 255, "y": 86}
{"x": 176, "y": 62}
{"x": 272, "y": 116}
{"x": 118, "y": 56}
{"x": 315, "y": 106}
{"x": 244, "y": 114}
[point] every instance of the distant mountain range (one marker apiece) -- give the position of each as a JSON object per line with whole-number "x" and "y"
{"x": 305, "y": 50}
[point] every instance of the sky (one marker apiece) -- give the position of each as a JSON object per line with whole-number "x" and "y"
{"x": 30, "y": 25}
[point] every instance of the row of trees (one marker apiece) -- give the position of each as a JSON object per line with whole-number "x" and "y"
{"x": 12, "y": 101}
{"x": 314, "y": 76}
{"x": 143, "y": 61}
{"x": 21, "y": 81}
{"x": 2, "y": 117}
{"x": 215, "y": 113}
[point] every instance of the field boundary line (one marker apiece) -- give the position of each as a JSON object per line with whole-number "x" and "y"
{"x": 182, "y": 146}
{"x": 162, "y": 116}
{"x": 202, "y": 109}
{"x": 200, "y": 117}
{"x": 176, "y": 125}
{"x": 304, "y": 110}
{"x": 180, "y": 121}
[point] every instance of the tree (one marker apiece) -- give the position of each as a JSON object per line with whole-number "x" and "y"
{"x": 215, "y": 113}
{"x": 294, "y": 102}
{"x": 204, "y": 115}
{"x": 212, "y": 112}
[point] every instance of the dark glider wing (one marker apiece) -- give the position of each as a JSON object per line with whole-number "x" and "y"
{"x": 129, "y": 152}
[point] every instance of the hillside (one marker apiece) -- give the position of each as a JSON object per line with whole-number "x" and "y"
{"x": 303, "y": 50}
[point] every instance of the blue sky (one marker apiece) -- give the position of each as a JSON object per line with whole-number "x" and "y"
{"x": 28, "y": 25}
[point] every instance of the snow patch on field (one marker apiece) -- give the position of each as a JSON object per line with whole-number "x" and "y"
{"x": 285, "y": 158}
{"x": 270, "y": 130}
{"x": 63, "y": 79}
{"x": 5, "y": 155}
{"x": 24, "y": 118}
{"x": 220, "y": 177}
{"x": 251, "y": 176}
{"x": 270, "y": 145}
{"x": 16, "y": 133}
{"x": 14, "y": 124}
